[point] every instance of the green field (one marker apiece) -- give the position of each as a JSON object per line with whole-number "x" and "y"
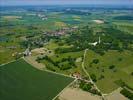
{"x": 125, "y": 26}
{"x": 107, "y": 76}
{"x": 21, "y": 81}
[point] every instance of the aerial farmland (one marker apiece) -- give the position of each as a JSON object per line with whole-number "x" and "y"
{"x": 66, "y": 52}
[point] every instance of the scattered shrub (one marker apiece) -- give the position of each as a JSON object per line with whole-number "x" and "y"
{"x": 93, "y": 77}
{"x": 120, "y": 83}
{"x": 95, "y": 61}
{"x": 112, "y": 67}
{"x": 132, "y": 73}
{"x": 119, "y": 59}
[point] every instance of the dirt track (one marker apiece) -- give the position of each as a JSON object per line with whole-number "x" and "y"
{"x": 31, "y": 60}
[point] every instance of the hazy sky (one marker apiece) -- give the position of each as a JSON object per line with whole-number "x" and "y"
{"x": 59, "y": 2}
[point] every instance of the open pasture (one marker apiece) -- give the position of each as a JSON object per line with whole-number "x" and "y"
{"x": 110, "y": 68}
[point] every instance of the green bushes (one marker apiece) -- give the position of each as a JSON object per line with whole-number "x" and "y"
{"x": 120, "y": 83}
{"x": 119, "y": 59}
{"x": 88, "y": 87}
{"x": 85, "y": 86}
{"x": 132, "y": 73}
{"x": 66, "y": 50}
{"x": 112, "y": 67}
{"x": 95, "y": 61}
{"x": 93, "y": 77}
{"x": 127, "y": 93}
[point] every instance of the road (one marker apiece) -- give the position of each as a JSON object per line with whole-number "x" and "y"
{"x": 83, "y": 67}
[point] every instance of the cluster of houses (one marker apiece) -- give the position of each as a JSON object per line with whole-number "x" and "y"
{"x": 76, "y": 75}
{"x": 27, "y": 52}
{"x": 61, "y": 31}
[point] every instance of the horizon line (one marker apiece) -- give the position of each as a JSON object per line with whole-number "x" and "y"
{"x": 69, "y": 5}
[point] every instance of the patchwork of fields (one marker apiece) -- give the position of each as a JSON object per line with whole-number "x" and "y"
{"x": 21, "y": 81}
{"x": 55, "y": 40}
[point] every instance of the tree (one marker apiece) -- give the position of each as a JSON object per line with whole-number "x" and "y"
{"x": 85, "y": 86}
{"x": 119, "y": 59}
{"x": 93, "y": 77}
{"x": 95, "y": 61}
{"x": 112, "y": 67}
{"x": 132, "y": 73}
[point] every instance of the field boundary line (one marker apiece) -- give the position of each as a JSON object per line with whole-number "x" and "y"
{"x": 59, "y": 74}
{"x": 50, "y": 71}
{"x": 64, "y": 89}
{"x": 10, "y": 62}
{"x": 114, "y": 91}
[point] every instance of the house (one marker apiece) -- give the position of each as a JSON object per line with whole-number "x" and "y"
{"x": 27, "y": 52}
{"x": 76, "y": 75}
{"x": 95, "y": 43}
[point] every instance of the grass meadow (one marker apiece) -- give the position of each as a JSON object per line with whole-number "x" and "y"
{"x": 122, "y": 70}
